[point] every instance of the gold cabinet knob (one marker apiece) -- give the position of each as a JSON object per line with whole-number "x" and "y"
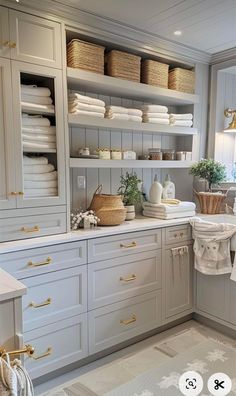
{"x": 13, "y": 193}
{"x": 20, "y": 193}
{"x": 12, "y": 44}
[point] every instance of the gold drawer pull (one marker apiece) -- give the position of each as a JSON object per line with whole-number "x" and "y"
{"x": 45, "y": 354}
{"x": 20, "y": 193}
{"x": 129, "y": 321}
{"x": 129, "y": 245}
{"x": 43, "y": 304}
{"x": 46, "y": 262}
{"x": 5, "y": 44}
{"x": 133, "y": 277}
{"x": 12, "y": 44}
{"x": 33, "y": 229}
{"x": 13, "y": 193}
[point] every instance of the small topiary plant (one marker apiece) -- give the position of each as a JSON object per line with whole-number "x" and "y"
{"x": 212, "y": 171}
{"x": 129, "y": 188}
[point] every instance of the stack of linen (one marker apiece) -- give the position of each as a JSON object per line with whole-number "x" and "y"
{"x": 84, "y": 105}
{"x": 156, "y": 114}
{"x": 185, "y": 120}
{"x": 40, "y": 177}
{"x": 36, "y": 97}
{"x": 122, "y": 113}
{"x": 168, "y": 211}
{"x": 37, "y": 133}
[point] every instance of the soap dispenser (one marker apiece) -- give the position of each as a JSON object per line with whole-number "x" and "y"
{"x": 168, "y": 188}
{"x": 155, "y": 192}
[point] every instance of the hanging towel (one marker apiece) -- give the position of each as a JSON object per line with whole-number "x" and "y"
{"x": 41, "y": 192}
{"x": 43, "y": 100}
{"x": 41, "y": 176}
{"x": 169, "y": 216}
{"x": 86, "y": 99}
{"x": 36, "y": 137}
{"x": 39, "y": 184}
{"x": 8, "y": 378}
{"x": 156, "y": 115}
{"x": 187, "y": 116}
{"x": 87, "y": 113}
{"x": 34, "y": 90}
{"x": 35, "y": 120}
{"x": 38, "y": 107}
{"x": 51, "y": 130}
{"x": 184, "y": 123}
{"x": 38, "y": 168}
{"x": 43, "y": 145}
{"x": 86, "y": 107}
{"x": 154, "y": 108}
{"x": 163, "y": 121}
{"x": 25, "y": 385}
{"x": 167, "y": 208}
{"x": 35, "y": 160}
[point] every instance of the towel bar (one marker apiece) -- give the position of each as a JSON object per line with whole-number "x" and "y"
{"x": 28, "y": 349}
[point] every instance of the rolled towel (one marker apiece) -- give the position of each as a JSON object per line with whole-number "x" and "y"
{"x": 86, "y": 99}
{"x": 35, "y": 160}
{"x": 85, "y": 107}
{"x": 163, "y": 121}
{"x": 154, "y": 108}
{"x": 117, "y": 116}
{"x": 40, "y": 176}
{"x": 187, "y": 123}
{"x": 38, "y": 138}
{"x": 41, "y": 192}
{"x": 87, "y": 113}
{"x": 169, "y": 216}
{"x": 116, "y": 109}
{"x": 168, "y": 208}
{"x": 156, "y": 115}
{"x": 40, "y": 184}
{"x": 43, "y": 100}
{"x": 51, "y": 130}
{"x": 187, "y": 116}
{"x": 40, "y": 145}
{"x": 35, "y": 120}
{"x": 39, "y": 107}
{"x": 34, "y": 90}
{"x": 134, "y": 118}
{"x": 38, "y": 168}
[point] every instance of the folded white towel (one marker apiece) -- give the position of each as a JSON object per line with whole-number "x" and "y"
{"x": 40, "y": 184}
{"x": 167, "y": 208}
{"x": 186, "y": 123}
{"x": 51, "y": 130}
{"x": 87, "y": 113}
{"x": 35, "y": 120}
{"x": 39, "y": 107}
{"x": 187, "y": 116}
{"x": 35, "y": 160}
{"x": 117, "y": 116}
{"x": 38, "y": 138}
{"x": 83, "y": 106}
{"x": 164, "y": 121}
{"x": 43, "y": 100}
{"x": 156, "y": 115}
{"x": 169, "y": 216}
{"x": 40, "y": 176}
{"x": 38, "y": 168}
{"x": 134, "y": 118}
{"x": 116, "y": 109}
{"x": 41, "y": 192}
{"x": 27, "y": 144}
{"x": 154, "y": 108}
{"x": 86, "y": 99}
{"x": 34, "y": 90}
{"x": 135, "y": 112}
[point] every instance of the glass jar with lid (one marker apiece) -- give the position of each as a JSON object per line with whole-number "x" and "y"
{"x": 168, "y": 154}
{"x": 155, "y": 154}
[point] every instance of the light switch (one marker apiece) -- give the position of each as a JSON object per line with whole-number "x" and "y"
{"x": 81, "y": 182}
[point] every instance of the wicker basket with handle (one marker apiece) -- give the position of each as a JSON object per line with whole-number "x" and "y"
{"x": 210, "y": 203}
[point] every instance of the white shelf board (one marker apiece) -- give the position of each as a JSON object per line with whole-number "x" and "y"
{"x": 93, "y": 82}
{"x": 36, "y": 110}
{"x": 39, "y": 150}
{"x": 104, "y": 123}
{"x": 97, "y": 163}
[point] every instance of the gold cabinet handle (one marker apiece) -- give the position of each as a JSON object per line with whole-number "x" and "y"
{"x": 33, "y": 229}
{"x": 12, "y": 44}
{"x": 43, "y": 304}
{"x": 45, "y": 354}
{"x": 129, "y": 245}
{"x": 131, "y": 278}
{"x": 181, "y": 234}
{"x": 129, "y": 321}
{"x": 20, "y": 193}
{"x": 13, "y": 193}
{"x": 5, "y": 44}
{"x": 175, "y": 235}
{"x": 40, "y": 263}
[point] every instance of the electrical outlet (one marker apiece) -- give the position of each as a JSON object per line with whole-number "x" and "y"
{"x": 81, "y": 182}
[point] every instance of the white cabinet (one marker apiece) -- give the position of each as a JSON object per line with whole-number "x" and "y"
{"x": 7, "y": 156}
{"x": 35, "y": 40}
{"x": 4, "y": 33}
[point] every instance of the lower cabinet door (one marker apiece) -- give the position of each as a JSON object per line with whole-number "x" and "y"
{"x": 232, "y": 302}
{"x": 57, "y": 345}
{"x": 178, "y": 284}
{"x": 121, "y": 321}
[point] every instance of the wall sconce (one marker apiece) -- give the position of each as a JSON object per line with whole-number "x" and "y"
{"x": 232, "y": 125}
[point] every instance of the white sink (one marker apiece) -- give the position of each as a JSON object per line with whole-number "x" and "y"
{"x": 223, "y": 218}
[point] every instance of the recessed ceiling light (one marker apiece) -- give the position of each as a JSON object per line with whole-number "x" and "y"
{"x": 177, "y": 32}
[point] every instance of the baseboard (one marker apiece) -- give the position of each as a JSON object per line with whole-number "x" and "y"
{"x": 220, "y": 327}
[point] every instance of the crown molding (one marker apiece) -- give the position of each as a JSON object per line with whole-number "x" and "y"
{"x": 224, "y": 56}
{"x": 110, "y": 30}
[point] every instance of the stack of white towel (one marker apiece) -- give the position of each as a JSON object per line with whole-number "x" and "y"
{"x": 168, "y": 211}
{"x": 156, "y": 114}
{"x": 37, "y": 132}
{"x": 185, "y": 120}
{"x": 84, "y": 105}
{"x": 40, "y": 177}
{"x": 123, "y": 113}
{"x": 36, "y": 97}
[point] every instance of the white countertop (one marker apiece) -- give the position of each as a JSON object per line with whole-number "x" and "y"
{"x": 138, "y": 224}
{"x": 10, "y": 287}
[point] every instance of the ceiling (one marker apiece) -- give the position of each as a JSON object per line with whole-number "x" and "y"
{"x": 207, "y": 25}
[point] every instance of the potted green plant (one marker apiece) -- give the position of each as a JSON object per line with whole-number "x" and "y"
{"x": 213, "y": 172}
{"x": 129, "y": 188}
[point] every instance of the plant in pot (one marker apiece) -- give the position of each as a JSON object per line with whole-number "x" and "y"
{"x": 213, "y": 172}
{"x": 129, "y": 188}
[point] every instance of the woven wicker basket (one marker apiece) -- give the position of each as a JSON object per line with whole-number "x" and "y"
{"x": 210, "y": 203}
{"x": 154, "y": 73}
{"x": 86, "y": 56}
{"x": 111, "y": 217}
{"x": 123, "y": 65}
{"x": 182, "y": 80}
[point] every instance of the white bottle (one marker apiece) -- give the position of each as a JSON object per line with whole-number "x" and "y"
{"x": 168, "y": 188}
{"x": 234, "y": 208}
{"x": 155, "y": 192}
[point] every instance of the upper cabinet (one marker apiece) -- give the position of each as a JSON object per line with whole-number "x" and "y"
{"x": 4, "y": 33}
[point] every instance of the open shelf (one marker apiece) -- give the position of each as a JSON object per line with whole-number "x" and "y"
{"x": 97, "y": 163}
{"x": 93, "y": 82}
{"x": 104, "y": 123}
{"x": 36, "y": 110}
{"x": 39, "y": 150}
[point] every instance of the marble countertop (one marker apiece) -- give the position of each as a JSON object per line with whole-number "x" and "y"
{"x": 138, "y": 224}
{"x": 10, "y": 287}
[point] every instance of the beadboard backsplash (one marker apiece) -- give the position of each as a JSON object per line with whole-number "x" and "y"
{"x": 139, "y": 142}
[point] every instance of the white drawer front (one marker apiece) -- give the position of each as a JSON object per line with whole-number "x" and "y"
{"x": 32, "y": 262}
{"x": 32, "y": 226}
{"x": 57, "y": 345}
{"x": 46, "y": 302}
{"x": 121, "y": 245}
{"x": 121, "y": 321}
{"x": 178, "y": 234}
{"x": 115, "y": 280}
